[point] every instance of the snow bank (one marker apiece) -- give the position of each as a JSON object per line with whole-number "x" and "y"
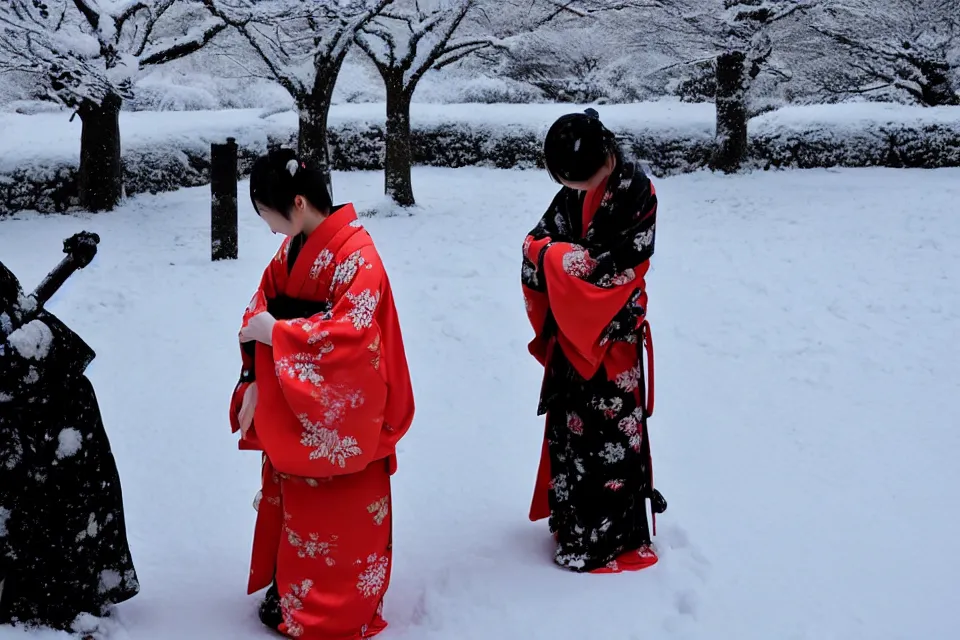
{"x": 171, "y": 149}
{"x": 858, "y": 135}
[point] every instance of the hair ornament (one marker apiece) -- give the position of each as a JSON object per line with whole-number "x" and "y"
{"x": 292, "y": 167}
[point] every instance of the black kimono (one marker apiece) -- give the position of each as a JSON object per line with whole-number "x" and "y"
{"x": 583, "y": 284}
{"x": 63, "y": 544}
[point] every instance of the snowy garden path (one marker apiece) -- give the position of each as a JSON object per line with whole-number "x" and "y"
{"x": 805, "y": 434}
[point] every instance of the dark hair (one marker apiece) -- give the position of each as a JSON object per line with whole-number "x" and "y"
{"x": 277, "y": 178}
{"x": 577, "y": 146}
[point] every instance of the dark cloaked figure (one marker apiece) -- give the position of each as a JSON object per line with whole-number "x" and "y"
{"x": 63, "y": 543}
{"x": 583, "y": 277}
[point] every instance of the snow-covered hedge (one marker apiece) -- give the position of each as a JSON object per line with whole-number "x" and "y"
{"x": 169, "y": 150}
{"x": 856, "y": 135}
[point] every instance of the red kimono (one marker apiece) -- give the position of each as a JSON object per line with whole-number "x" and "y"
{"x": 334, "y": 399}
{"x": 583, "y": 283}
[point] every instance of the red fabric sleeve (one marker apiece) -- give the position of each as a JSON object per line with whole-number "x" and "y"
{"x": 536, "y": 302}
{"x": 258, "y": 304}
{"x": 328, "y": 370}
{"x": 582, "y": 310}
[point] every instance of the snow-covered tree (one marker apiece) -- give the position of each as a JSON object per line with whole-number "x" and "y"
{"x": 910, "y": 47}
{"x": 404, "y": 42}
{"x": 85, "y": 54}
{"x": 736, "y": 34}
{"x": 302, "y": 45}
{"x": 578, "y": 50}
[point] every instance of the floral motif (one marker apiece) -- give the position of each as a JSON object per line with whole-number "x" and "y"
{"x": 346, "y": 271}
{"x": 644, "y": 240}
{"x": 613, "y": 452}
{"x": 324, "y": 260}
{"x": 302, "y": 367}
{"x": 560, "y": 487}
{"x": 374, "y": 348}
{"x": 610, "y": 407}
{"x": 575, "y": 423}
{"x": 578, "y": 263}
{"x": 315, "y": 331}
{"x": 625, "y": 277}
{"x": 312, "y": 547}
{"x": 379, "y": 510}
{"x": 327, "y": 443}
{"x": 322, "y": 436}
{"x": 629, "y": 380}
{"x": 632, "y": 426}
{"x": 364, "y": 306}
{"x": 292, "y": 602}
{"x": 282, "y": 252}
{"x": 373, "y": 579}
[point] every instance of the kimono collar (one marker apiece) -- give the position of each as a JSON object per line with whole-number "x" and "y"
{"x": 341, "y": 217}
{"x": 328, "y": 237}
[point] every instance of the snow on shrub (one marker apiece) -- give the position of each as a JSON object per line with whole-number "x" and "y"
{"x": 856, "y": 135}
{"x": 168, "y": 150}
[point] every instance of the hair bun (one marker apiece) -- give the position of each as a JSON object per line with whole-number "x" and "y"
{"x": 592, "y": 113}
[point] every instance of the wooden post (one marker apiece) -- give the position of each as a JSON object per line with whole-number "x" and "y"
{"x": 223, "y": 200}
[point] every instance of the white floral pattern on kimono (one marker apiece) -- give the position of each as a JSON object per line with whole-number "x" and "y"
{"x": 302, "y": 367}
{"x": 364, "y": 307}
{"x": 324, "y": 260}
{"x": 291, "y": 602}
{"x": 578, "y": 263}
{"x": 374, "y": 577}
{"x": 327, "y": 443}
{"x": 346, "y": 271}
{"x": 312, "y": 547}
{"x": 379, "y": 509}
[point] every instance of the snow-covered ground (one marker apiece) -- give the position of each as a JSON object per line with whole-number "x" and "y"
{"x": 806, "y": 429}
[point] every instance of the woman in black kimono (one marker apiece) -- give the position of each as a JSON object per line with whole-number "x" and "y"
{"x": 583, "y": 283}
{"x": 63, "y": 544}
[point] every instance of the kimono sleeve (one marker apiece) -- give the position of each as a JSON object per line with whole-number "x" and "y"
{"x": 38, "y": 356}
{"x": 583, "y": 311}
{"x": 551, "y": 227}
{"x": 590, "y": 315}
{"x": 328, "y": 367}
{"x": 258, "y": 304}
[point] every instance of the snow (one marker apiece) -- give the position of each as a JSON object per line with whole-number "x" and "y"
{"x": 70, "y": 440}
{"x": 32, "y": 340}
{"x": 804, "y": 435}
{"x": 856, "y": 116}
{"x": 47, "y": 139}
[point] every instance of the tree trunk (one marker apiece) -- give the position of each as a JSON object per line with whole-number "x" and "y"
{"x": 731, "y": 141}
{"x": 398, "y": 182}
{"x": 101, "y": 168}
{"x": 938, "y": 90}
{"x": 313, "y": 144}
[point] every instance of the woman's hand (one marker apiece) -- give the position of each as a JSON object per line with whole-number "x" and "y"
{"x": 248, "y": 408}
{"x": 259, "y": 328}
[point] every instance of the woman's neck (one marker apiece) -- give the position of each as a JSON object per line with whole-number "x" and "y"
{"x": 312, "y": 223}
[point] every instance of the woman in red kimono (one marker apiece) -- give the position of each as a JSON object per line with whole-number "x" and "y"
{"x": 325, "y": 394}
{"x": 583, "y": 283}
